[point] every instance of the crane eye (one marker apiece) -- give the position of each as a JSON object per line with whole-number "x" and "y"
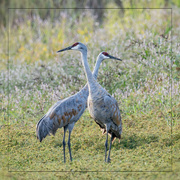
{"x": 105, "y": 53}
{"x": 75, "y": 44}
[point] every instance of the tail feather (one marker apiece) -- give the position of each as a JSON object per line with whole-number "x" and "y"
{"x": 115, "y": 134}
{"x": 44, "y": 127}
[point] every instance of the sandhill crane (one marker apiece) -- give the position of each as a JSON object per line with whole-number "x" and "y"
{"x": 65, "y": 113}
{"x": 102, "y": 106}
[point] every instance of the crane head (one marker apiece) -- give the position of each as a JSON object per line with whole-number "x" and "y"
{"x": 104, "y": 55}
{"x": 76, "y": 46}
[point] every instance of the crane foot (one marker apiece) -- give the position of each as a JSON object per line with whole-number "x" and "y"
{"x": 108, "y": 160}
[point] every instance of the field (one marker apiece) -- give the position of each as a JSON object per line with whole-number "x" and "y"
{"x": 146, "y": 85}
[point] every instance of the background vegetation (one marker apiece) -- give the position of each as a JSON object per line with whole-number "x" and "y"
{"x": 146, "y": 85}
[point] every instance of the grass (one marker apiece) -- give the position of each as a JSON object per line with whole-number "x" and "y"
{"x": 141, "y": 84}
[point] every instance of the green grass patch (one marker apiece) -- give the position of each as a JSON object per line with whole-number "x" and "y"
{"x": 145, "y": 84}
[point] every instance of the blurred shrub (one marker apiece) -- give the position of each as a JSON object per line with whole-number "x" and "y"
{"x": 53, "y": 14}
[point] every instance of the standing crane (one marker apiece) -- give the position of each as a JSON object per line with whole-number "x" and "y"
{"x": 102, "y": 106}
{"x": 65, "y": 113}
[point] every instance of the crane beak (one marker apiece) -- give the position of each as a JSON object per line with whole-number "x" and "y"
{"x": 65, "y": 49}
{"x": 112, "y": 57}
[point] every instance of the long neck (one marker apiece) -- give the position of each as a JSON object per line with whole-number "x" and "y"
{"x": 88, "y": 72}
{"x": 95, "y": 72}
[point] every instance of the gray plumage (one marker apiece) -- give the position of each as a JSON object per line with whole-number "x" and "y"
{"x": 65, "y": 113}
{"x": 102, "y": 106}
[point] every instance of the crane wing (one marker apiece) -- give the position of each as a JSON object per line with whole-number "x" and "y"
{"x": 65, "y": 111}
{"x": 112, "y": 104}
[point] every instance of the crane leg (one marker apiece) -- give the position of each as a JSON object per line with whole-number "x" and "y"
{"x": 106, "y": 143}
{"x": 64, "y": 143}
{"x": 70, "y": 127}
{"x": 112, "y": 137}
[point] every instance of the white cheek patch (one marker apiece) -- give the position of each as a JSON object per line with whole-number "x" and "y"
{"x": 75, "y": 47}
{"x": 105, "y": 57}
